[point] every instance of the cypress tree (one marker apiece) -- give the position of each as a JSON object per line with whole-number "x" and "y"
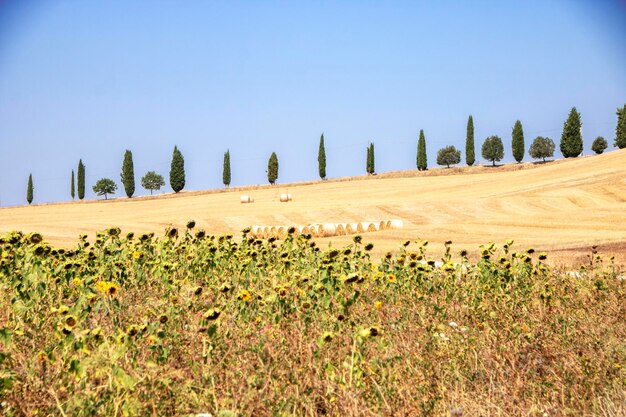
{"x": 226, "y": 169}
{"x": 272, "y": 168}
{"x": 128, "y": 174}
{"x": 422, "y": 163}
{"x": 370, "y": 165}
{"x": 572, "y": 138}
{"x": 620, "y": 128}
{"x": 321, "y": 159}
{"x": 29, "y": 190}
{"x": 177, "y": 171}
{"x": 469, "y": 143}
{"x": 81, "y": 180}
{"x": 518, "y": 142}
{"x": 72, "y": 188}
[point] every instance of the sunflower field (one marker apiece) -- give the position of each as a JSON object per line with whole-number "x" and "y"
{"x": 188, "y": 324}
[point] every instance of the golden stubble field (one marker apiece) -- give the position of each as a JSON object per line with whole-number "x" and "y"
{"x": 564, "y": 207}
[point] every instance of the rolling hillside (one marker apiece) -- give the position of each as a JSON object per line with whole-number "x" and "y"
{"x": 565, "y": 207}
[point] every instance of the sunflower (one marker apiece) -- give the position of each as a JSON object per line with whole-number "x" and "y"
{"x": 244, "y": 295}
{"x": 212, "y": 314}
{"x": 70, "y": 320}
{"x": 136, "y": 255}
{"x": 391, "y": 278}
{"x": 163, "y": 318}
{"x": 112, "y": 289}
{"x": 378, "y": 305}
{"x": 327, "y": 337}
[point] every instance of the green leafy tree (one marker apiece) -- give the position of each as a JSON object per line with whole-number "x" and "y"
{"x": 493, "y": 150}
{"x": 29, "y": 189}
{"x": 422, "y": 162}
{"x": 572, "y": 138}
{"x": 226, "y": 169}
{"x": 370, "y": 165}
{"x": 81, "y": 180}
{"x": 542, "y": 148}
{"x": 448, "y": 156}
{"x": 321, "y": 159}
{"x": 105, "y": 186}
{"x": 128, "y": 174}
{"x": 272, "y": 168}
{"x": 177, "y": 171}
{"x": 620, "y": 128}
{"x": 599, "y": 145}
{"x": 72, "y": 187}
{"x": 470, "y": 157}
{"x": 152, "y": 181}
{"x": 518, "y": 142}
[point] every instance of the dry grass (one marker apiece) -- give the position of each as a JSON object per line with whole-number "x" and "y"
{"x": 565, "y": 207}
{"x": 186, "y": 324}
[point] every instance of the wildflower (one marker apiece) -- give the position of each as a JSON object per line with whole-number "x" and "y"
{"x": 407, "y": 243}
{"x": 189, "y": 257}
{"x": 347, "y": 251}
{"x": 130, "y": 236}
{"x": 198, "y": 290}
{"x": 391, "y": 278}
{"x": 369, "y": 247}
{"x": 92, "y": 298}
{"x": 333, "y": 253}
{"x": 357, "y": 239}
{"x": 62, "y": 310}
{"x": 41, "y": 357}
{"x": 530, "y": 251}
{"x": 175, "y": 300}
{"x": 282, "y": 291}
{"x": 172, "y": 232}
{"x": 225, "y": 287}
{"x": 378, "y": 305}
{"x": 463, "y": 253}
{"x": 76, "y": 282}
{"x": 448, "y": 243}
{"x": 543, "y": 256}
{"x": 66, "y": 330}
{"x": 191, "y": 224}
{"x": 306, "y": 305}
{"x": 212, "y": 314}
{"x": 244, "y": 296}
{"x": 200, "y": 234}
{"x": 136, "y": 255}
{"x": 163, "y": 318}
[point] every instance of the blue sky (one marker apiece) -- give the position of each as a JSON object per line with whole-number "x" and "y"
{"x": 90, "y": 79}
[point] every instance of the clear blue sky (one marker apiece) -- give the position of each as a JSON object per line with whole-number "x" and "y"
{"x": 90, "y": 79}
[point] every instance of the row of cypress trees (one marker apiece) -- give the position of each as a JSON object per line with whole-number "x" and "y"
{"x": 571, "y": 145}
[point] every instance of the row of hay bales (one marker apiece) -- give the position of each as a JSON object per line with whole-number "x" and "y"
{"x": 326, "y": 229}
{"x": 284, "y": 198}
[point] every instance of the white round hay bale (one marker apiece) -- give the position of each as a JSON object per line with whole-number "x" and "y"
{"x": 306, "y": 230}
{"x": 340, "y": 229}
{"x": 397, "y": 224}
{"x": 256, "y": 231}
{"x": 267, "y": 232}
{"x": 246, "y": 199}
{"x": 329, "y": 229}
{"x": 284, "y": 198}
{"x": 289, "y": 197}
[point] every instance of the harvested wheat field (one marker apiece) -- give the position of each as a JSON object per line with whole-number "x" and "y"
{"x": 564, "y": 207}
